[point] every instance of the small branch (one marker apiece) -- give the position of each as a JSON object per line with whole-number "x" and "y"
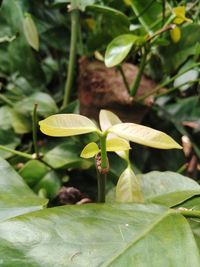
{"x": 72, "y": 57}
{"x": 157, "y": 88}
{"x": 124, "y": 78}
{"x": 101, "y": 185}
{"x": 6, "y": 100}
{"x": 34, "y": 130}
{"x": 15, "y": 152}
{"x": 136, "y": 83}
{"x": 164, "y": 29}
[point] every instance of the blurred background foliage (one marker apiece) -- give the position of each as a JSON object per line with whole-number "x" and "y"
{"x": 28, "y": 76}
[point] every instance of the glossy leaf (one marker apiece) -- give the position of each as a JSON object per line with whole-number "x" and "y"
{"x": 167, "y": 188}
{"x": 8, "y": 139}
{"x": 117, "y": 144}
{"x": 128, "y": 188}
{"x": 144, "y": 135}
{"x": 90, "y": 150}
{"x": 31, "y": 32}
{"x": 16, "y": 197}
{"x": 99, "y": 235}
{"x": 119, "y": 48}
{"x": 107, "y": 119}
{"x": 67, "y": 125}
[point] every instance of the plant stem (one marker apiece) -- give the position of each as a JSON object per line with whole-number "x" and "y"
{"x": 6, "y": 100}
{"x": 34, "y": 130}
{"x": 157, "y": 88}
{"x": 124, "y": 78}
{"x": 190, "y": 213}
{"x": 13, "y": 151}
{"x": 103, "y": 152}
{"x": 136, "y": 83}
{"x": 101, "y": 183}
{"x": 73, "y": 45}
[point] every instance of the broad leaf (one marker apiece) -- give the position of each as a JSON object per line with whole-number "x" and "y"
{"x": 119, "y": 48}
{"x": 30, "y": 32}
{"x": 167, "y": 188}
{"x": 107, "y": 119}
{"x": 128, "y": 187}
{"x": 67, "y": 125}
{"x": 16, "y": 197}
{"x": 144, "y": 135}
{"x": 99, "y": 235}
{"x": 90, "y": 150}
{"x": 8, "y": 139}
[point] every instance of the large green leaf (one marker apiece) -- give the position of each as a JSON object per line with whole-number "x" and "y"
{"x": 148, "y": 12}
{"x": 168, "y": 188}
{"x": 15, "y": 196}
{"x": 144, "y": 135}
{"x": 99, "y": 235}
{"x": 119, "y": 48}
{"x": 67, "y": 125}
{"x": 8, "y": 139}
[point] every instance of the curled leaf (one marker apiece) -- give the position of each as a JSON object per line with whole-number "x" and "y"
{"x": 90, "y": 150}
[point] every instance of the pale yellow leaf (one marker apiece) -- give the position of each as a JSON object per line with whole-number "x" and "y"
{"x": 90, "y": 150}
{"x": 67, "y": 125}
{"x": 128, "y": 188}
{"x": 144, "y": 135}
{"x": 117, "y": 144}
{"x": 107, "y": 119}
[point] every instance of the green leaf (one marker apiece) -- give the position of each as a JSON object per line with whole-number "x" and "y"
{"x": 119, "y": 48}
{"x": 16, "y": 197}
{"x": 8, "y": 139}
{"x": 149, "y": 14}
{"x": 90, "y": 150}
{"x": 107, "y": 119}
{"x": 99, "y": 235}
{"x": 30, "y": 32}
{"x": 185, "y": 80}
{"x": 33, "y": 171}
{"x": 67, "y": 125}
{"x": 46, "y": 104}
{"x": 167, "y": 188}
{"x": 144, "y": 135}
{"x": 117, "y": 144}
{"x": 112, "y": 13}
{"x": 66, "y": 156}
{"x": 128, "y": 187}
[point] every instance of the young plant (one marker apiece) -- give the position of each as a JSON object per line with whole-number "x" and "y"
{"x": 113, "y": 136}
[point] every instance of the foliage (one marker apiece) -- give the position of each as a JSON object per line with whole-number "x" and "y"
{"x": 159, "y": 226}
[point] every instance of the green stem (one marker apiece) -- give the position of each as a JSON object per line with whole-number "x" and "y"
{"x": 6, "y": 100}
{"x": 124, "y": 78}
{"x": 136, "y": 83}
{"x": 103, "y": 151}
{"x": 157, "y": 88}
{"x": 15, "y": 152}
{"x": 34, "y": 129}
{"x": 190, "y": 213}
{"x": 101, "y": 183}
{"x": 72, "y": 56}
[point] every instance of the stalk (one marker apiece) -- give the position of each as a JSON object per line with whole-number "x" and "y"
{"x": 73, "y": 48}
{"x": 189, "y": 213}
{"x": 34, "y": 130}
{"x": 15, "y": 152}
{"x": 136, "y": 83}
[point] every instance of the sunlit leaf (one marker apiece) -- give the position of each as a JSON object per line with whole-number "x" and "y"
{"x": 117, "y": 144}
{"x": 67, "y": 125}
{"x": 30, "y": 32}
{"x": 119, "y": 48}
{"x": 128, "y": 187}
{"x": 144, "y": 135}
{"x": 107, "y": 119}
{"x": 90, "y": 150}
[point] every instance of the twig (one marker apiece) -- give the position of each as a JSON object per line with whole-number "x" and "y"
{"x": 34, "y": 130}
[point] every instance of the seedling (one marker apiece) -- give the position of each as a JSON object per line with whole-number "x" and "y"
{"x": 114, "y": 136}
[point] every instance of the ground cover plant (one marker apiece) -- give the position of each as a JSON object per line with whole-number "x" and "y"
{"x": 99, "y": 133}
